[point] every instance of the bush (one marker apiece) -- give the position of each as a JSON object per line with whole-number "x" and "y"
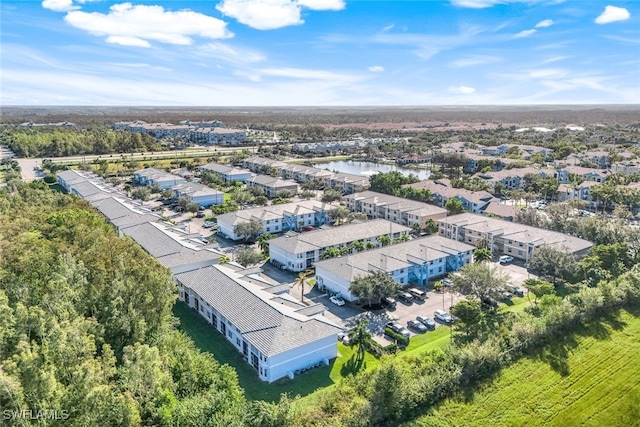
{"x": 401, "y": 340}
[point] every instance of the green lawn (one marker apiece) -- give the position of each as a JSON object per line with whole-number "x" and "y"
{"x": 589, "y": 378}
{"x": 209, "y": 340}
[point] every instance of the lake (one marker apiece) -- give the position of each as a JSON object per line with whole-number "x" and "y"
{"x": 369, "y": 168}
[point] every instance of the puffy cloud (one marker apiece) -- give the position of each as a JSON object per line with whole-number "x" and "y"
{"x": 376, "y": 69}
{"x": 130, "y": 25}
{"x": 525, "y": 33}
{"x": 462, "y": 90}
{"x": 273, "y": 14}
{"x": 322, "y": 4}
{"x": 59, "y": 5}
{"x": 613, "y": 14}
{"x": 544, "y": 24}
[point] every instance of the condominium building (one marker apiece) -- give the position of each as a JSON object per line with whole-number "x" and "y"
{"x": 414, "y": 262}
{"x": 508, "y": 238}
{"x": 300, "y": 251}
{"x": 397, "y": 209}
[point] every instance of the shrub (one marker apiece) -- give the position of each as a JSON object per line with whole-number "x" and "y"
{"x": 401, "y": 340}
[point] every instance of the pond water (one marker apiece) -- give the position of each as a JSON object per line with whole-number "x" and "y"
{"x": 369, "y": 168}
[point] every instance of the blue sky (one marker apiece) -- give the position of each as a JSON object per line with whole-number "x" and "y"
{"x": 319, "y": 52}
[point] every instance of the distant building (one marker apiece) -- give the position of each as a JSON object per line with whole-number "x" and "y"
{"x": 271, "y": 186}
{"x": 198, "y": 193}
{"x": 508, "y": 238}
{"x": 153, "y": 176}
{"x": 277, "y": 218}
{"x": 227, "y": 173}
{"x": 397, "y": 209}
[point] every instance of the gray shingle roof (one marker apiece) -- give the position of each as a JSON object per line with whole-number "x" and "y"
{"x": 296, "y": 243}
{"x": 271, "y": 326}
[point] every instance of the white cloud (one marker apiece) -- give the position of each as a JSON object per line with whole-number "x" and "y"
{"x": 130, "y": 25}
{"x": 307, "y": 74}
{"x": 482, "y": 4}
{"x": 388, "y": 27}
{"x": 525, "y": 33}
{"x": 474, "y": 60}
{"x": 463, "y": 90}
{"x": 273, "y": 14}
{"x": 376, "y": 69}
{"x": 613, "y": 14}
{"x": 544, "y": 24}
{"x": 231, "y": 54}
{"x": 59, "y": 5}
{"x": 322, "y": 4}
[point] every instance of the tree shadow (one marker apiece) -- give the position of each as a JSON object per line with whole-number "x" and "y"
{"x": 352, "y": 366}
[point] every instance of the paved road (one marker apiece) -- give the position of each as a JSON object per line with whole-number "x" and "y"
{"x": 29, "y": 173}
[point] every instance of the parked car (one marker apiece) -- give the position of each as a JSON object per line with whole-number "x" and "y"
{"x": 337, "y": 301}
{"x": 416, "y": 326}
{"x": 505, "y": 259}
{"x": 200, "y": 214}
{"x": 388, "y": 302}
{"x": 406, "y": 297}
{"x": 447, "y": 282}
{"x": 426, "y": 321}
{"x": 398, "y": 328}
{"x": 489, "y": 303}
{"x": 442, "y": 316}
{"x": 516, "y": 290}
{"x": 417, "y": 293}
{"x": 307, "y": 228}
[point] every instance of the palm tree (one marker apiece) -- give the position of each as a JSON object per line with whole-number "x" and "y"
{"x": 360, "y": 336}
{"x": 300, "y": 282}
{"x": 384, "y": 240}
{"x": 482, "y": 255}
{"x": 263, "y": 242}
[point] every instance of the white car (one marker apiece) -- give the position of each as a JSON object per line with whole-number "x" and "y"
{"x": 505, "y": 259}
{"x": 337, "y": 301}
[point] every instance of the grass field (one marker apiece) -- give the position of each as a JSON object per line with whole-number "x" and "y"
{"x": 591, "y": 378}
{"x": 209, "y": 340}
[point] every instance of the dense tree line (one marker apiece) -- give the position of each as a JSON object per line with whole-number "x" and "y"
{"x": 58, "y": 142}
{"x": 86, "y": 325}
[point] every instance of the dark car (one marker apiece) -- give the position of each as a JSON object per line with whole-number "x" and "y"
{"x": 398, "y": 328}
{"x": 388, "y": 302}
{"x": 426, "y": 321}
{"x": 416, "y": 326}
{"x": 406, "y": 297}
{"x": 489, "y": 303}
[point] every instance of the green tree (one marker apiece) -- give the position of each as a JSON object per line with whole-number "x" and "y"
{"x": 481, "y": 280}
{"x": 248, "y": 257}
{"x": 300, "y": 281}
{"x": 482, "y": 255}
{"x": 468, "y": 313}
{"x": 359, "y": 336}
{"x": 373, "y": 287}
{"x": 552, "y": 262}
{"x": 538, "y": 288}
{"x": 249, "y": 230}
{"x": 263, "y": 242}
{"x": 339, "y": 214}
{"x": 384, "y": 240}
{"x": 454, "y": 206}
